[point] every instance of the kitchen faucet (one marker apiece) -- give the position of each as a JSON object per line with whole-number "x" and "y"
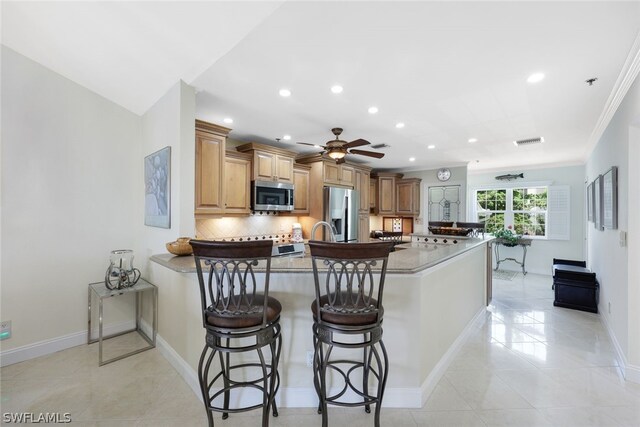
{"x": 326, "y": 224}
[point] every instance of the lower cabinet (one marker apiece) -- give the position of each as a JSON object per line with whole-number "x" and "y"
{"x": 363, "y": 228}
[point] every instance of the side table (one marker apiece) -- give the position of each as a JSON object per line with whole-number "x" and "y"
{"x": 522, "y": 242}
{"x": 101, "y": 292}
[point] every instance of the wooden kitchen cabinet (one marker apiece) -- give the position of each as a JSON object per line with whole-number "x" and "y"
{"x": 270, "y": 163}
{"x": 210, "y": 167}
{"x": 385, "y": 203}
{"x": 408, "y": 197}
{"x": 300, "y": 189}
{"x": 373, "y": 193}
{"x": 335, "y": 174}
{"x": 237, "y": 189}
{"x": 361, "y": 184}
{"x": 363, "y": 228}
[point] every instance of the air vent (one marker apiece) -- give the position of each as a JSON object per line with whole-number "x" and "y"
{"x": 380, "y": 146}
{"x": 528, "y": 141}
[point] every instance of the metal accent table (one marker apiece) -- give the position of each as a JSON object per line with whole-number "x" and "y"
{"x": 522, "y": 242}
{"x": 100, "y": 291}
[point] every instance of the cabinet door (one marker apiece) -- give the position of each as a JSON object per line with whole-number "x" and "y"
{"x": 362, "y": 186}
{"x": 373, "y": 193}
{"x": 331, "y": 173}
{"x": 404, "y": 198}
{"x": 363, "y": 228}
{"x": 416, "y": 198}
{"x": 284, "y": 169}
{"x": 210, "y": 149}
{"x": 386, "y": 193}
{"x": 300, "y": 191}
{"x": 264, "y": 166}
{"x": 347, "y": 175}
{"x": 237, "y": 185}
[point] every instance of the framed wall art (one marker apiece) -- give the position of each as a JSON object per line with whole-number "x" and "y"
{"x": 610, "y": 198}
{"x": 157, "y": 189}
{"x": 597, "y": 203}
{"x": 589, "y": 200}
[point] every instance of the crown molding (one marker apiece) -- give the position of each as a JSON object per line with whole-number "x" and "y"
{"x": 627, "y": 76}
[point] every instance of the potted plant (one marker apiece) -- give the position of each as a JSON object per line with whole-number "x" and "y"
{"x": 507, "y": 235}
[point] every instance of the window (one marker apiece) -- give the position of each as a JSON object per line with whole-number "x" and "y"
{"x": 523, "y": 208}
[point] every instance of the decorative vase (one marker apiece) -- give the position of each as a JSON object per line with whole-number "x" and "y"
{"x": 121, "y": 273}
{"x": 180, "y": 247}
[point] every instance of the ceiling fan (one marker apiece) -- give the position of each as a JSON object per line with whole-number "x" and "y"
{"x": 337, "y": 149}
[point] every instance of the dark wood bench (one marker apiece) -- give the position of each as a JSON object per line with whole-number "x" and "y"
{"x": 575, "y": 285}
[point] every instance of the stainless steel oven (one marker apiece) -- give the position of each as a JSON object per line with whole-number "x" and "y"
{"x": 271, "y": 196}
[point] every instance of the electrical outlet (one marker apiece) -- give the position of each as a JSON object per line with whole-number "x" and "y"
{"x": 5, "y": 330}
{"x": 309, "y": 359}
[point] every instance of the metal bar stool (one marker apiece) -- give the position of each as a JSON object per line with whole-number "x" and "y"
{"x": 348, "y": 314}
{"x": 237, "y": 319}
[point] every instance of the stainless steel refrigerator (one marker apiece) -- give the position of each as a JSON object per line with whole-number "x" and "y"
{"x": 341, "y": 206}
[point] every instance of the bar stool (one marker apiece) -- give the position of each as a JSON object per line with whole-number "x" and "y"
{"x": 237, "y": 319}
{"x": 346, "y": 315}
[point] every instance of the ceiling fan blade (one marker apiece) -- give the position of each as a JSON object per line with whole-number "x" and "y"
{"x": 367, "y": 153}
{"x": 356, "y": 143}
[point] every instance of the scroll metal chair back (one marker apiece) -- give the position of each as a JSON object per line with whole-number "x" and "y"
{"x": 238, "y": 317}
{"x": 228, "y": 290}
{"x": 476, "y": 227}
{"x": 349, "y": 294}
{"x": 440, "y": 223}
{"x": 349, "y": 285}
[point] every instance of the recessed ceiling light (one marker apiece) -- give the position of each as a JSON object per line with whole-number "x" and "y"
{"x": 286, "y": 137}
{"x": 372, "y": 110}
{"x": 228, "y": 120}
{"x": 431, "y": 147}
{"x": 400, "y": 125}
{"x": 535, "y": 78}
{"x": 336, "y": 89}
{"x": 472, "y": 140}
{"x": 412, "y": 159}
{"x": 285, "y": 93}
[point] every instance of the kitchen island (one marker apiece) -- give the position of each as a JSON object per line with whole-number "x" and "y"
{"x": 433, "y": 293}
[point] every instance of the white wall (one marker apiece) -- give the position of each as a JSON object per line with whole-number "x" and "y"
{"x": 612, "y": 262}
{"x": 429, "y": 179}
{"x": 70, "y": 160}
{"x": 541, "y": 253}
{"x": 170, "y": 122}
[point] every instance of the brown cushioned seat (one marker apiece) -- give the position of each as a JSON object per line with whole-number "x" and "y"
{"x": 229, "y": 320}
{"x": 353, "y": 319}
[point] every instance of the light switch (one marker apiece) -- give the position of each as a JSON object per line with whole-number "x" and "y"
{"x": 623, "y": 238}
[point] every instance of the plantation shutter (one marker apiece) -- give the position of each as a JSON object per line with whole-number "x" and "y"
{"x": 559, "y": 212}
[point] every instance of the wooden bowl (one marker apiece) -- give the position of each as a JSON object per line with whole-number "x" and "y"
{"x": 180, "y": 247}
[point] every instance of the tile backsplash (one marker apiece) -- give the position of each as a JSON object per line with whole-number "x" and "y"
{"x": 254, "y": 225}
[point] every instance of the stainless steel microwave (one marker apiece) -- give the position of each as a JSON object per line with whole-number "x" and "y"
{"x": 271, "y": 196}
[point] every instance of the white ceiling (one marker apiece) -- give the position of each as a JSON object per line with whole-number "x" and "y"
{"x": 448, "y": 70}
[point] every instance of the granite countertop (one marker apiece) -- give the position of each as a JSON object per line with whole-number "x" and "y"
{"x": 408, "y": 258}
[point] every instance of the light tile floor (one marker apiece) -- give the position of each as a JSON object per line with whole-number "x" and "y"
{"x": 526, "y": 364}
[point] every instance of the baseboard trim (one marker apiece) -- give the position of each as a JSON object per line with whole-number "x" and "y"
{"x": 630, "y": 372}
{"x": 180, "y": 365}
{"x": 441, "y": 367}
{"x": 42, "y": 348}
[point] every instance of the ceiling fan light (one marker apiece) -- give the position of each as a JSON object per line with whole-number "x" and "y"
{"x": 336, "y": 154}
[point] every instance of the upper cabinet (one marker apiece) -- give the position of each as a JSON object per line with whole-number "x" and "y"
{"x": 270, "y": 163}
{"x": 393, "y": 196}
{"x": 331, "y": 173}
{"x": 385, "y": 193}
{"x": 237, "y": 189}
{"x": 300, "y": 189}
{"x": 361, "y": 184}
{"x": 210, "y": 158}
{"x": 408, "y": 197}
